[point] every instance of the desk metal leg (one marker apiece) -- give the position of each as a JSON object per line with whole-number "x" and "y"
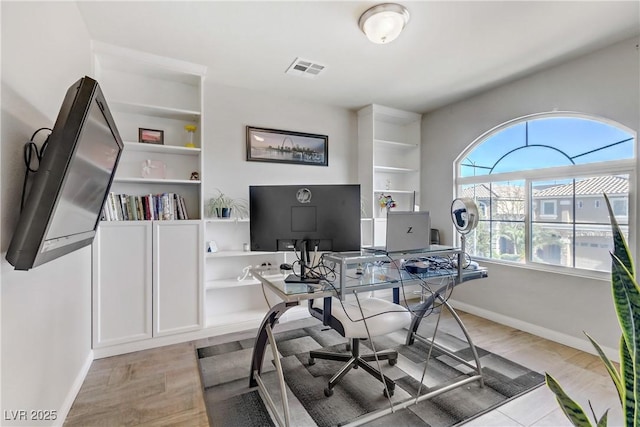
{"x": 283, "y": 388}
{"x": 422, "y": 309}
{"x": 270, "y": 319}
{"x": 264, "y": 337}
{"x": 418, "y": 314}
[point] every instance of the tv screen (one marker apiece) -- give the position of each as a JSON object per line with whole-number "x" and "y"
{"x": 63, "y": 208}
{"x": 323, "y": 216}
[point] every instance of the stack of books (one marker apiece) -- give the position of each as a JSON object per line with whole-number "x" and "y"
{"x": 158, "y": 207}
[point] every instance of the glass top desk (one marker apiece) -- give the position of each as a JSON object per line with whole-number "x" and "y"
{"x": 356, "y": 272}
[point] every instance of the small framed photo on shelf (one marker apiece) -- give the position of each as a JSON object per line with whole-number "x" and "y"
{"x": 151, "y": 136}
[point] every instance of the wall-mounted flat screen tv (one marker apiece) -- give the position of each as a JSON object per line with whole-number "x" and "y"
{"x": 63, "y": 208}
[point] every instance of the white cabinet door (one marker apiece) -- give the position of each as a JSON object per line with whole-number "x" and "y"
{"x": 122, "y": 283}
{"x": 177, "y": 286}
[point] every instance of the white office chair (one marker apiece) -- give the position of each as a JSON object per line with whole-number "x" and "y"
{"x": 382, "y": 317}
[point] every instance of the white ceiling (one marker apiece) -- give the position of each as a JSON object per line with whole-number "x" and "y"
{"x": 448, "y": 51}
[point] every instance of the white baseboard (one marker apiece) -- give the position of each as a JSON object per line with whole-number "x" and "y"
{"x": 75, "y": 389}
{"x": 549, "y": 334}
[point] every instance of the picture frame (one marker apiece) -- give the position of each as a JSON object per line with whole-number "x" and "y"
{"x": 151, "y": 136}
{"x": 282, "y": 146}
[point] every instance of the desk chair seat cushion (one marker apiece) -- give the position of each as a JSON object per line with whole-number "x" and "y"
{"x": 382, "y": 317}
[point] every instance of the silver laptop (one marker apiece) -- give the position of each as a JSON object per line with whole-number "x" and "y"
{"x": 406, "y": 232}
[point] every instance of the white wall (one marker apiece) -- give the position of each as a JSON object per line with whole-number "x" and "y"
{"x": 229, "y": 110}
{"x": 605, "y": 84}
{"x": 46, "y": 312}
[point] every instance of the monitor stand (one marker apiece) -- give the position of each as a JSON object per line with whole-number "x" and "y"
{"x": 304, "y": 259}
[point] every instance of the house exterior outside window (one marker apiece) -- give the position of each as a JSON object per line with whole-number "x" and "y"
{"x": 620, "y": 207}
{"x": 542, "y": 180}
{"x": 548, "y": 208}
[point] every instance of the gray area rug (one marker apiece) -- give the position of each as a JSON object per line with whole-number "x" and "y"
{"x": 231, "y": 402}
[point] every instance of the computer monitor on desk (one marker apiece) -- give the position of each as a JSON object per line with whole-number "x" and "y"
{"x": 305, "y": 218}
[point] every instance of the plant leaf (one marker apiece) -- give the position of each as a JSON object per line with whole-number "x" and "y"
{"x": 626, "y": 298}
{"x": 602, "y": 422}
{"x": 621, "y": 250}
{"x": 613, "y": 372}
{"x": 571, "y": 408}
{"x": 629, "y": 403}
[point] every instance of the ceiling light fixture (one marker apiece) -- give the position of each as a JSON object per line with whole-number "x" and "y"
{"x": 383, "y": 23}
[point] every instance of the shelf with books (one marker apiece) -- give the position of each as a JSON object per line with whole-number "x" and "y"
{"x": 148, "y": 207}
{"x": 160, "y": 94}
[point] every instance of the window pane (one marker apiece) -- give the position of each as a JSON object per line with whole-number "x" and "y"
{"x": 620, "y": 206}
{"x": 576, "y": 137}
{"x": 481, "y": 194}
{"x": 589, "y": 191}
{"x": 485, "y": 155}
{"x": 478, "y": 241}
{"x": 507, "y": 201}
{"x": 508, "y": 241}
{"x": 552, "y": 201}
{"x": 594, "y": 243}
{"x": 547, "y": 142}
{"x": 530, "y": 157}
{"x": 552, "y": 243}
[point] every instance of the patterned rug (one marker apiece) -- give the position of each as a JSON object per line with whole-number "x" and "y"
{"x": 231, "y": 402}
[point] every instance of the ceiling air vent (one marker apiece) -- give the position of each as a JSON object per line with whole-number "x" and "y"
{"x": 305, "y": 68}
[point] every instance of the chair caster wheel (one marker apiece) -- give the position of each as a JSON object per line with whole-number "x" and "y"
{"x": 393, "y": 361}
{"x": 312, "y": 361}
{"x": 384, "y": 392}
{"x": 347, "y": 346}
{"x": 328, "y": 392}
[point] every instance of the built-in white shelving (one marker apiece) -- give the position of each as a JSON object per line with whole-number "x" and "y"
{"x": 145, "y": 91}
{"x": 222, "y": 269}
{"x": 229, "y": 283}
{"x": 162, "y": 149}
{"x": 160, "y": 181}
{"x": 156, "y": 111}
{"x": 389, "y": 162}
{"x": 148, "y": 276}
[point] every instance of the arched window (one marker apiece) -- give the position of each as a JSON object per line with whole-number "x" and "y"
{"x": 540, "y": 181}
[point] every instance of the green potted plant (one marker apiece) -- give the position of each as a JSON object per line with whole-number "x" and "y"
{"x": 223, "y": 206}
{"x": 626, "y": 299}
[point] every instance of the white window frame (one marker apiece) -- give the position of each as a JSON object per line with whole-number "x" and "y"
{"x": 614, "y": 167}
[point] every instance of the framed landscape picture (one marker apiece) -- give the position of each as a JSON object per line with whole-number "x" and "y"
{"x": 281, "y": 146}
{"x": 150, "y": 136}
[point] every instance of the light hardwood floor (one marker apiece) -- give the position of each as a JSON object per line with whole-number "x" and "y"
{"x": 162, "y": 386}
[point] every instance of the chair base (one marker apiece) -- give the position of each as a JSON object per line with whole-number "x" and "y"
{"x": 353, "y": 361}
